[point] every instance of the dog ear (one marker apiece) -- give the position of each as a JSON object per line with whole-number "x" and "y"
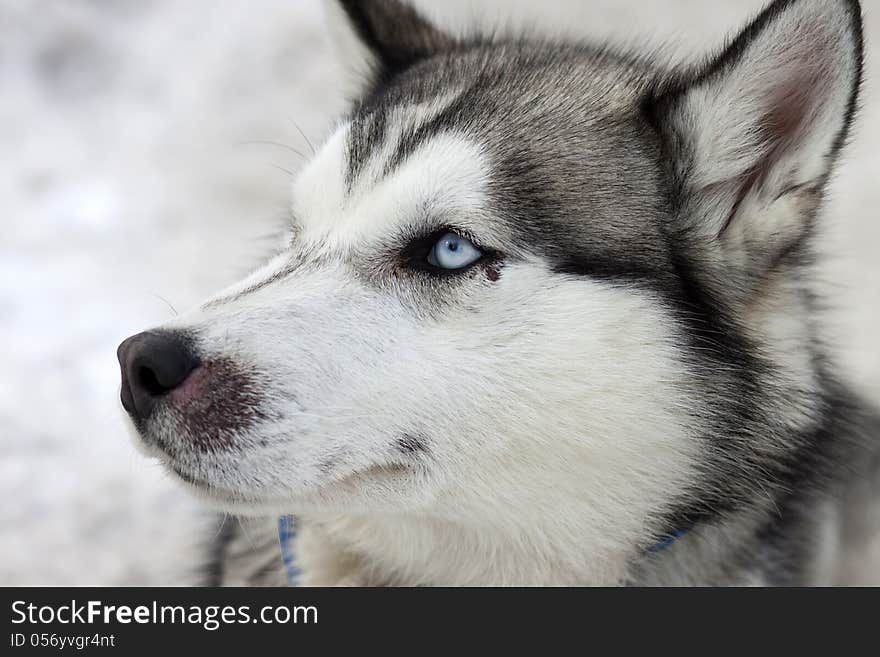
{"x": 378, "y": 39}
{"x": 751, "y": 138}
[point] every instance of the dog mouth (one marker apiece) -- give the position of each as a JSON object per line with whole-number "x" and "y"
{"x": 359, "y": 478}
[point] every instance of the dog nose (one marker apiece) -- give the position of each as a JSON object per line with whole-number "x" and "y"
{"x": 153, "y": 364}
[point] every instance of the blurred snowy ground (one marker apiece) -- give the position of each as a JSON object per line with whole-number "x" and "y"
{"x": 128, "y": 186}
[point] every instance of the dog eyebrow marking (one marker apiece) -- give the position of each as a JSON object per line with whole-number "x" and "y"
{"x": 414, "y": 137}
{"x": 412, "y": 444}
{"x": 371, "y": 127}
{"x": 366, "y": 133}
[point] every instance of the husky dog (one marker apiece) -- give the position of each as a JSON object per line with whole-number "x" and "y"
{"x": 545, "y": 317}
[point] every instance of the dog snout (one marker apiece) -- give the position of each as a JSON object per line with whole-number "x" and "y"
{"x": 153, "y": 364}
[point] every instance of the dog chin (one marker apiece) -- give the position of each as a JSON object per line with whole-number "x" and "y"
{"x": 222, "y": 498}
{"x": 362, "y": 490}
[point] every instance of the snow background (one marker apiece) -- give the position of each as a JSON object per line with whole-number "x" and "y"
{"x": 127, "y": 188}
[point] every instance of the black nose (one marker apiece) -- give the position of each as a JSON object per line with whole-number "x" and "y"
{"x": 153, "y": 364}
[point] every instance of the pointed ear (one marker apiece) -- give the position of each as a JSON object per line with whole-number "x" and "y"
{"x": 377, "y": 39}
{"x": 751, "y": 138}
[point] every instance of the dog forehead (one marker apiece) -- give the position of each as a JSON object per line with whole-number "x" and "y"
{"x": 444, "y": 175}
{"x": 539, "y": 151}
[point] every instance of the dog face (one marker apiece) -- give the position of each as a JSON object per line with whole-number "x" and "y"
{"x": 527, "y": 283}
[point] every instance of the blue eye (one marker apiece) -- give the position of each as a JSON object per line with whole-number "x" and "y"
{"x": 453, "y": 252}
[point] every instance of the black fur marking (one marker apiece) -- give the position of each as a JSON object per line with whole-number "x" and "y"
{"x": 395, "y": 33}
{"x": 412, "y": 444}
{"x": 269, "y": 571}
{"x": 366, "y": 133}
{"x": 445, "y": 119}
{"x": 214, "y": 567}
{"x": 811, "y": 474}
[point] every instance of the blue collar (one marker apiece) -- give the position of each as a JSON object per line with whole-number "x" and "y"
{"x": 286, "y": 534}
{"x": 667, "y": 540}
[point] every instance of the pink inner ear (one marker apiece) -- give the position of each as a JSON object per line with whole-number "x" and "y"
{"x": 793, "y": 106}
{"x": 803, "y": 75}
{"x": 790, "y": 110}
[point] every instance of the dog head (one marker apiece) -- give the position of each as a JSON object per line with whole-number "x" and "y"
{"x": 527, "y": 283}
